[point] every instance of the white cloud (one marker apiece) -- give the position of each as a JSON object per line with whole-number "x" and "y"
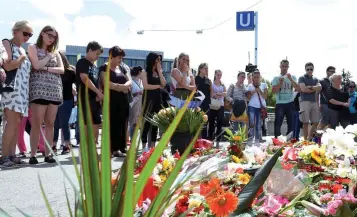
{"x": 322, "y": 32}
{"x": 58, "y": 7}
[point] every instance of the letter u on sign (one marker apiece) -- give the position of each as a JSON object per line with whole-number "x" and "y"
{"x": 245, "y": 21}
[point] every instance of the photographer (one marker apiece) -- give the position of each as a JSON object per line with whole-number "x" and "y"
{"x": 353, "y": 102}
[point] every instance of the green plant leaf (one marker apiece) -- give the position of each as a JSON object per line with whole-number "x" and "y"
{"x": 93, "y": 162}
{"x": 119, "y": 191}
{"x": 87, "y": 181}
{"x": 48, "y": 205}
{"x": 3, "y": 213}
{"x": 150, "y": 164}
{"x": 22, "y": 212}
{"x": 67, "y": 200}
{"x": 164, "y": 190}
{"x": 247, "y": 195}
{"x": 106, "y": 185}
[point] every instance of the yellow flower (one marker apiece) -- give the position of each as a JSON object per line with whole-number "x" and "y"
{"x": 236, "y": 159}
{"x": 244, "y": 178}
{"x": 165, "y": 164}
{"x": 316, "y": 156}
{"x": 237, "y": 138}
{"x": 163, "y": 178}
{"x": 194, "y": 203}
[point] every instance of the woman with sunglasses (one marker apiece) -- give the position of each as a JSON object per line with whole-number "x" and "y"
{"x": 14, "y": 97}
{"x": 45, "y": 88}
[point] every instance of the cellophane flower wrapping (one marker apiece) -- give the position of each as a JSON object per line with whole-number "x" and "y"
{"x": 287, "y": 183}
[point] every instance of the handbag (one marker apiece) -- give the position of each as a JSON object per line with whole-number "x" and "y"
{"x": 263, "y": 110}
{"x": 242, "y": 118}
{"x": 215, "y": 104}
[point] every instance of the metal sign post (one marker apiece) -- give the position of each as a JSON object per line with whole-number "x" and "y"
{"x": 248, "y": 21}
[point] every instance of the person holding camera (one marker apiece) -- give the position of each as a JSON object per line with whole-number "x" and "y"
{"x": 353, "y": 102}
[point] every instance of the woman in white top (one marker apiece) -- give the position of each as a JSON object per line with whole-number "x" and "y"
{"x": 216, "y": 115}
{"x": 257, "y": 93}
{"x": 182, "y": 79}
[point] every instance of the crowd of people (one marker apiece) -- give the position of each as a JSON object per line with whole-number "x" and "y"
{"x": 42, "y": 87}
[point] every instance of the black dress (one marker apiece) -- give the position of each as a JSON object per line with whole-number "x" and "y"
{"x": 118, "y": 110}
{"x": 153, "y": 105}
{"x": 204, "y": 85}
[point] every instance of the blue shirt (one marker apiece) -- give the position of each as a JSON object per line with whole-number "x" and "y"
{"x": 353, "y": 97}
{"x": 286, "y": 93}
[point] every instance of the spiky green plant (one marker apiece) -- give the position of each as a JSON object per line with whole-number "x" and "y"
{"x": 96, "y": 196}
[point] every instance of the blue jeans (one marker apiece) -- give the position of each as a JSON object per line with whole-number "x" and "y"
{"x": 62, "y": 120}
{"x": 296, "y": 125}
{"x": 255, "y": 122}
{"x": 281, "y": 111}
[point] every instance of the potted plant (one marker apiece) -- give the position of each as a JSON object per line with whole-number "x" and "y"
{"x": 189, "y": 124}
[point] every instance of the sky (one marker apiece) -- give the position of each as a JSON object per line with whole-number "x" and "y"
{"x": 320, "y": 31}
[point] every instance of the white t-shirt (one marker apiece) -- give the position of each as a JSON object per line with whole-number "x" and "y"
{"x": 254, "y": 100}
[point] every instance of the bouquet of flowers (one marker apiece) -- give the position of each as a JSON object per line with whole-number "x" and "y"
{"x": 314, "y": 154}
{"x": 190, "y": 121}
{"x": 164, "y": 167}
{"x": 237, "y": 142}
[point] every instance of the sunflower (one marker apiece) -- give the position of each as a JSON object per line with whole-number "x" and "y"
{"x": 224, "y": 204}
{"x": 244, "y": 178}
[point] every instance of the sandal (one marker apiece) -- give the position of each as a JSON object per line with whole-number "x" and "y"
{"x": 22, "y": 155}
{"x": 65, "y": 150}
{"x": 50, "y": 159}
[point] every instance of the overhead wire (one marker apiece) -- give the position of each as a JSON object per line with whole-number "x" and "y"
{"x": 197, "y": 30}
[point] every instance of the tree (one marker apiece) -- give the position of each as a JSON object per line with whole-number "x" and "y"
{"x": 271, "y": 96}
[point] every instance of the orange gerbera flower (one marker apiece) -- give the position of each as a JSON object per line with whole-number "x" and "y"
{"x": 211, "y": 188}
{"x": 224, "y": 204}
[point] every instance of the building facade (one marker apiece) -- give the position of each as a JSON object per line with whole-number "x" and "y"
{"x": 132, "y": 58}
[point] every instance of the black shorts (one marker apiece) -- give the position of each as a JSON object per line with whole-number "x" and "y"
{"x": 96, "y": 111}
{"x": 45, "y": 102}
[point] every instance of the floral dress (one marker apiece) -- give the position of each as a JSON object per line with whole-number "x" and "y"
{"x": 18, "y": 100}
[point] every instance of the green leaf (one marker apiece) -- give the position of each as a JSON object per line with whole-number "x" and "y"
{"x": 150, "y": 164}
{"x": 119, "y": 191}
{"x": 345, "y": 211}
{"x": 247, "y": 195}
{"x": 93, "y": 162}
{"x": 106, "y": 152}
{"x": 22, "y": 212}
{"x": 48, "y": 205}
{"x": 3, "y": 213}
{"x": 67, "y": 199}
{"x": 87, "y": 181}
{"x": 162, "y": 196}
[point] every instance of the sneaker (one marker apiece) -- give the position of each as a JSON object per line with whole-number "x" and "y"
{"x": 16, "y": 160}
{"x": 6, "y": 162}
{"x": 50, "y": 159}
{"x": 33, "y": 160}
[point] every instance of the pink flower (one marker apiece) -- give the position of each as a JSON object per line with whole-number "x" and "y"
{"x": 346, "y": 197}
{"x": 272, "y": 204}
{"x": 332, "y": 206}
{"x": 326, "y": 198}
{"x": 290, "y": 154}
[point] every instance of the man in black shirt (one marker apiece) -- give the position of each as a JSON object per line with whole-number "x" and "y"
{"x": 325, "y": 84}
{"x": 87, "y": 79}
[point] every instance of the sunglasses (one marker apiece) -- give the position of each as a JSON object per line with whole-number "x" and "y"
{"x": 309, "y": 70}
{"x": 27, "y": 34}
{"x": 352, "y": 86}
{"x": 50, "y": 36}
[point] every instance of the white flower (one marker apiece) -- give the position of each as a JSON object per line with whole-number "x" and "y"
{"x": 157, "y": 178}
{"x": 345, "y": 170}
{"x": 351, "y": 129}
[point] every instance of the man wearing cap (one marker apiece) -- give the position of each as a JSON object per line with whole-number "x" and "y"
{"x": 325, "y": 84}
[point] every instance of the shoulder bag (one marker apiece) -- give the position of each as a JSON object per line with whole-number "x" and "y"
{"x": 263, "y": 110}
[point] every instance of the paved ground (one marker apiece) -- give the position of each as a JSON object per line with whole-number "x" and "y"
{"x": 19, "y": 188}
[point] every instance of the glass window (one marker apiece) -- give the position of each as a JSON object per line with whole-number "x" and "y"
{"x": 128, "y": 62}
